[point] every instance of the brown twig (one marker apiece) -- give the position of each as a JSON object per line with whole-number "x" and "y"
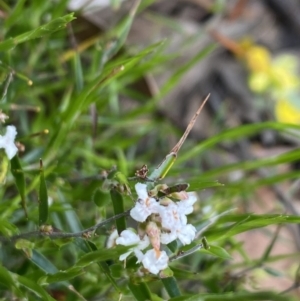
{"x": 177, "y": 147}
{"x": 57, "y": 234}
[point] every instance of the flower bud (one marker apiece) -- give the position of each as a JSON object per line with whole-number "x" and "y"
{"x": 153, "y": 233}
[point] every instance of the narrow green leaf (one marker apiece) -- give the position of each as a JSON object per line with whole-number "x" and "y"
{"x": 178, "y": 75}
{"x": 17, "y": 10}
{"x": 88, "y": 246}
{"x": 83, "y": 99}
{"x": 269, "y": 249}
{"x": 117, "y": 270}
{"x": 235, "y": 133}
{"x": 196, "y": 185}
{"x": 13, "y": 281}
{"x": 7, "y": 279}
{"x": 171, "y": 286}
{"x": 252, "y": 185}
{"x": 287, "y": 157}
{"x": 17, "y": 172}
{"x": 173, "y": 246}
{"x": 185, "y": 274}
{"x": 216, "y": 251}
{"x": 4, "y": 167}
{"x": 42, "y": 262}
{"x": 61, "y": 276}
{"x": 43, "y": 197}
{"x": 244, "y": 223}
{"x": 273, "y": 272}
{"x": 140, "y": 291}
{"x": 105, "y": 268}
{"x": 205, "y": 244}
{"x": 82, "y": 244}
{"x": 39, "y": 32}
{"x": 235, "y": 296}
{"x": 118, "y": 205}
{"x": 297, "y": 275}
{"x": 78, "y": 71}
{"x": 100, "y": 255}
{"x": 34, "y": 287}
{"x": 80, "y": 102}
{"x": 119, "y": 35}
{"x": 7, "y": 228}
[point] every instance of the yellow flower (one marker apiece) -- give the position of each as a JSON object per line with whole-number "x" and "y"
{"x": 259, "y": 82}
{"x": 286, "y": 112}
{"x": 283, "y": 79}
{"x": 258, "y": 59}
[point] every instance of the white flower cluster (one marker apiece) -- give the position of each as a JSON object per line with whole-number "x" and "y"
{"x": 8, "y": 141}
{"x": 163, "y": 222}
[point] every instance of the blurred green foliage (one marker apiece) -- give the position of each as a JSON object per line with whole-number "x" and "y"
{"x": 66, "y": 105}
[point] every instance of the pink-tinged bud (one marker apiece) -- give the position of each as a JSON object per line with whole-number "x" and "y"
{"x": 181, "y": 195}
{"x": 165, "y": 201}
{"x": 153, "y": 233}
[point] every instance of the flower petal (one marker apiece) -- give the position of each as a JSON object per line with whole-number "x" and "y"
{"x": 141, "y": 190}
{"x": 186, "y": 234}
{"x": 166, "y": 238}
{"x": 7, "y": 141}
{"x": 124, "y": 256}
{"x": 155, "y": 261}
{"x": 139, "y": 212}
{"x": 170, "y": 217}
{"x": 128, "y": 238}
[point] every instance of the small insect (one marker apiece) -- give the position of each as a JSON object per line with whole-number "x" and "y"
{"x": 142, "y": 174}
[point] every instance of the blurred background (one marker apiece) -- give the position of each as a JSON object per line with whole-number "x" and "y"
{"x": 245, "y": 53}
{"x": 249, "y": 63}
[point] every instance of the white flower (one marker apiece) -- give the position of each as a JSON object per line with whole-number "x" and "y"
{"x": 7, "y": 141}
{"x": 173, "y": 218}
{"x": 186, "y": 206}
{"x": 155, "y": 261}
{"x": 144, "y": 205}
{"x": 186, "y": 234}
{"x": 170, "y": 216}
{"x": 166, "y": 238}
{"x": 128, "y": 238}
{"x": 111, "y": 241}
